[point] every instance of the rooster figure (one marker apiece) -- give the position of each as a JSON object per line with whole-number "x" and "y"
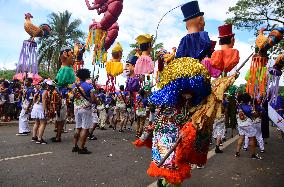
{"x": 43, "y": 30}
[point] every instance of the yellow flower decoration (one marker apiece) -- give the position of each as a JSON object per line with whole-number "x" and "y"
{"x": 182, "y": 67}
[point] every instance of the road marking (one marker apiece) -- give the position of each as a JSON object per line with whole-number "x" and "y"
{"x": 210, "y": 154}
{"x": 24, "y": 156}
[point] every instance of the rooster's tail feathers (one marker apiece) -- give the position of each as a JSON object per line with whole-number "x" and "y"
{"x": 46, "y": 29}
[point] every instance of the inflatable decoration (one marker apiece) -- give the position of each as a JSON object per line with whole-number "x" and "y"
{"x": 27, "y": 65}
{"x": 103, "y": 34}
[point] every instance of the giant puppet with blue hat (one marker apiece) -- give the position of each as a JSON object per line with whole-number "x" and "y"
{"x": 188, "y": 103}
{"x": 196, "y": 43}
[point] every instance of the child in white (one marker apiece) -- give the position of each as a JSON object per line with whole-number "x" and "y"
{"x": 219, "y": 131}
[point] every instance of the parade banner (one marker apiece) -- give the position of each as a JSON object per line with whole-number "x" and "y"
{"x": 275, "y": 117}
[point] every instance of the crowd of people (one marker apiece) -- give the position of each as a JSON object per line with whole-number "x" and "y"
{"x": 119, "y": 110}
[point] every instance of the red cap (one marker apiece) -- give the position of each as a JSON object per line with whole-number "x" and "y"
{"x": 225, "y": 31}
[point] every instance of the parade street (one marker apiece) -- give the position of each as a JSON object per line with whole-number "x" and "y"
{"x": 116, "y": 162}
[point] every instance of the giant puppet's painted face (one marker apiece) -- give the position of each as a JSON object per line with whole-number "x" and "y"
{"x": 129, "y": 70}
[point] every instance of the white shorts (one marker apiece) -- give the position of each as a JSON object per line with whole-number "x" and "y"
{"x": 218, "y": 130}
{"x": 248, "y": 131}
{"x": 37, "y": 112}
{"x": 95, "y": 117}
{"x": 83, "y": 118}
{"x": 63, "y": 114}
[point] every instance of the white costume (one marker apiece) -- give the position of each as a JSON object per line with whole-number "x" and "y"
{"x": 258, "y": 135}
{"x": 24, "y": 114}
{"x": 102, "y": 115}
{"x": 219, "y": 127}
{"x": 38, "y": 110}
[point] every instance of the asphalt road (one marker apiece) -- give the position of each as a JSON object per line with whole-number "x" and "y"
{"x": 116, "y": 162}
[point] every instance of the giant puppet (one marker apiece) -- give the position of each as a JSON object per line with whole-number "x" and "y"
{"x": 27, "y": 65}
{"x": 103, "y": 34}
{"x": 188, "y": 104}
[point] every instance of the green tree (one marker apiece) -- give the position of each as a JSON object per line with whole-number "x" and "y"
{"x": 256, "y": 14}
{"x": 65, "y": 32}
{"x": 7, "y": 74}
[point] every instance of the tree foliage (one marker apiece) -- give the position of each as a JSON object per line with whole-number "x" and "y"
{"x": 253, "y": 15}
{"x": 256, "y": 14}
{"x": 7, "y": 74}
{"x": 65, "y": 32}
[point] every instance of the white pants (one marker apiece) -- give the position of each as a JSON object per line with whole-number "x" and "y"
{"x": 102, "y": 118}
{"x": 258, "y": 136}
{"x": 24, "y": 122}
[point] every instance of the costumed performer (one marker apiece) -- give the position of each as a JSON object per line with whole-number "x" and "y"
{"x": 185, "y": 91}
{"x": 65, "y": 75}
{"x": 27, "y": 102}
{"x": 84, "y": 97}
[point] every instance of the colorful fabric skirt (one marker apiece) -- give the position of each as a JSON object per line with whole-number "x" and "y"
{"x": 65, "y": 76}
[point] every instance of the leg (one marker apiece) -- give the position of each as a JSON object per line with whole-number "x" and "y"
{"x": 240, "y": 143}
{"x": 83, "y": 137}
{"x": 252, "y": 143}
{"x": 77, "y": 136}
{"x": 35, "y": 128}
{"x": 60, "y": 125}
{"x": 218, "y": 141}
{"x": 246, "y": 142}
{"x": 41, "y": 129}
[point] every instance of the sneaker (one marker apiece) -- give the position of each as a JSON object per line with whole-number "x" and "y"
{"x": 245, "y": 149}
{"x": 75, "y": 149}
{"x": 53, "y": 139}
{"x": 110, "y": 126}
{"x": 160, "y": 183}
{"x": 200, "y": 166}
{"x": 221, "y": 144}
{"x": 41, "y": 142}
{"x": 102, "y": 128}
{"x": 92, "y": 137}
{"x": 23, "y": 134}
{"x": 84, "y": 151}
{"x": 217, "y": 150}
{"x": 255, "y": 157}
{"x": 237, "y": 154}
{"x": 262, "y": 151}
{"x": 34, "y": 139}
{"x": 120, "y": 131}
